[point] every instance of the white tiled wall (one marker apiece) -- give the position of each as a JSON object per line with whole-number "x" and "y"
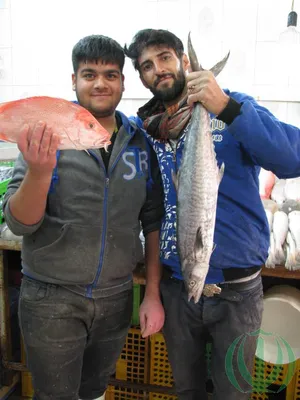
{"x": 37, "y": 36}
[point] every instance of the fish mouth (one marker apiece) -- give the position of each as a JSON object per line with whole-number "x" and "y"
{"x": 101, "y": 143}
{"x": 196, "y": 291}
{"x": 195, "y": 295}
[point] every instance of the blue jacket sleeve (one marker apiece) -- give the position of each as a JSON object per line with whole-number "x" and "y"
{"x": 270, "y": 143}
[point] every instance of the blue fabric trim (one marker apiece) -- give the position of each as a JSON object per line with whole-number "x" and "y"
{"x": 54, "y": 178}
{"x": 150, "y": 182}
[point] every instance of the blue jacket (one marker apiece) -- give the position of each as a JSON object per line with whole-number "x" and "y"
{"x": 254, "y": 139}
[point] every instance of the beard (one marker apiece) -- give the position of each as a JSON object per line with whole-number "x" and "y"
{"x": 170, "y": 93}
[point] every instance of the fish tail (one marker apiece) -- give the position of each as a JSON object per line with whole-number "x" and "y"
{"x": 196, "y": 66}
{"x": 216, "y": 69}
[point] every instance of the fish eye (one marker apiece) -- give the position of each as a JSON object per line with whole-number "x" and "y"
{"x": 91, "y": 125}
{"x": 192, "y": 283}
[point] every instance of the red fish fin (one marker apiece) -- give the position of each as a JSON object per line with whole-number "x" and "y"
{"x": 6, "y": 106}
{"x": 10, "y": 104}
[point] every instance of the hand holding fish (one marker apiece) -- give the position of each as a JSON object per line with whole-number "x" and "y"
{"x": 38, "y": 146}
{"x": 203, "y": 88}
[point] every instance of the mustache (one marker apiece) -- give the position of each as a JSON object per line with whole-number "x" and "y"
{"x": 160, "y": 77}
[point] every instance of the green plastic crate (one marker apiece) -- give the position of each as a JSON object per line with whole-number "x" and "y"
{"x": 3, "y": 188}
{"x": 135, "y": 319}
{"x": 7, "y": 163}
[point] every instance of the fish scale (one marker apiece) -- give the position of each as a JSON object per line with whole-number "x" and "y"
{"x": 197, "y": 184}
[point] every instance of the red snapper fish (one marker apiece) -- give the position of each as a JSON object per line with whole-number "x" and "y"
{"x": 77, "y": 128}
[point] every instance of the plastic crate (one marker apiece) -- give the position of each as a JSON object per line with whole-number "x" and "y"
{"x": 3, "y": 188}
{"x": 133, "y": 363}
{"x": 208, "y": 359}
{"x": 297, "y": 383}
{"x": 7, "y": 163}
{"x": 267, "y": 374}
{"x": 135, "y": 320}
{"x": 26, "y": 379}
{"x": 259, "y": 396}
{"x": 293, "y": 389}
{"x": 160, "y": 368}
{"x": 161, "y": 396}
{"x": 119, "y": 393}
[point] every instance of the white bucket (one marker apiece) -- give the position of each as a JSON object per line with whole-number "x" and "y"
{"x": 279, "y": 340}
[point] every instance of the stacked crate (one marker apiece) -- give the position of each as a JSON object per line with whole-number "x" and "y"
{"x": 145, "y": 361}
{"x": 132, "y": 366}
{"x": 160, "y": 368}
{"x": 26, "y": 381}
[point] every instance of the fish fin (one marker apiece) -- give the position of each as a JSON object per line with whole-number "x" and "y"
{"x": 216, "y": 69}
{"x": 73, "y": 141}
{"x": 198, "y": 241}
{"x": 221, "y": 172}
{"x": 192, "y": 56}
{"x": 87, "y": 152}
{"x": 175, "y": 180}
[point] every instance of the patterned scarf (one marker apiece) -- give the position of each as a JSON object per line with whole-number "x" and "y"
{"x": 164, "y": 124}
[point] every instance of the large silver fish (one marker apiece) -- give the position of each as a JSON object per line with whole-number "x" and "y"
{"x": 197, "y": 185}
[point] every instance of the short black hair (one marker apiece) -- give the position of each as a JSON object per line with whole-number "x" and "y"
{"x": 152, "y": 37}
{"x": 95, "y": 47}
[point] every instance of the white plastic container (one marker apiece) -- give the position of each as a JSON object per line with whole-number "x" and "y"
{"x": 279, "y": 340}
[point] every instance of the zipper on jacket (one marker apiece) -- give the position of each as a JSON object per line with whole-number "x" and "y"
{"x": 107, "y": 174}
{"x": 89, "y": 289}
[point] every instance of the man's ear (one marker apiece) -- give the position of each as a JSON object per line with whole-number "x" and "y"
{"x": 185, "y": 62}
{"x": 73, "y": 82}
{"x": 123, "y": 80}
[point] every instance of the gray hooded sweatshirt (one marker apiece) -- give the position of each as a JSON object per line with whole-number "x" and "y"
{"x": 88, "y": 239}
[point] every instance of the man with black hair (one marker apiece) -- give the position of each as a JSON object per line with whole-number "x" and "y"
{"x": 80, "y": 217}
{"x": 246, "y": 137}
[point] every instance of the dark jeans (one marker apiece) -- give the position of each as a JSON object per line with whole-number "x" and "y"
{"x": 72, "y": 343}
{"x": 226, "y": 317}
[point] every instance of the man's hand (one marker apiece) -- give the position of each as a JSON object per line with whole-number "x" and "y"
{"x": 38, "y": 146}
{"x": 203, "y": 87}
{"x": 152, "y": 315}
